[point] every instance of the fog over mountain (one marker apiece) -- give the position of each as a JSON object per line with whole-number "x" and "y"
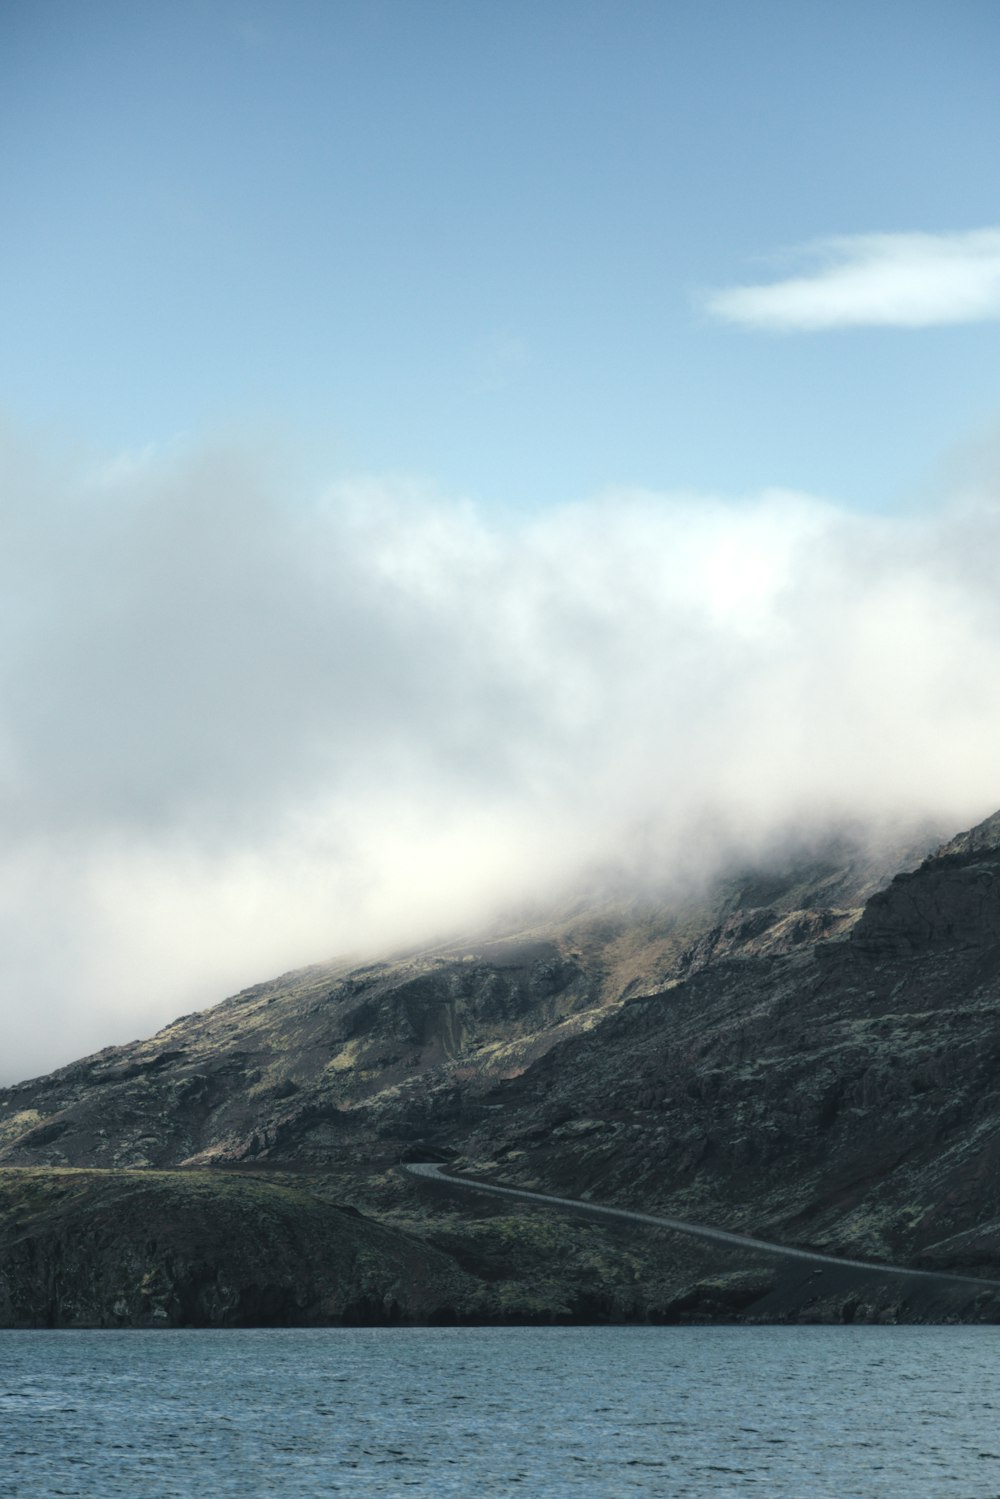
{"x": 246, "y": 726}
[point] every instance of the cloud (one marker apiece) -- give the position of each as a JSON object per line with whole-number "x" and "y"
{"x": 244, "y": 729}
{"x": 877, "y": 280}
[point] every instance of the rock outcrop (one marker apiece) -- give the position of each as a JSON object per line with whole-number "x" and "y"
{"x": 191, "y": 1249}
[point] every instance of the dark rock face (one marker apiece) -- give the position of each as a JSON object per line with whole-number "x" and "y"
{"x": 952, "y": 901}
{"x": 767, "y": 1057}
{"x": 152, "y": 1249}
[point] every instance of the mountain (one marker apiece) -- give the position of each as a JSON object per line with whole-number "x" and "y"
{"x": 805, "y": 1051}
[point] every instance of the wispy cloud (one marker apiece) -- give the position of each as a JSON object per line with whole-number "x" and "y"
{"x": 876, "y": 280}
{"x": 242, "y": 730}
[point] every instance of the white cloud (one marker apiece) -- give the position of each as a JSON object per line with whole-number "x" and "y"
{"x": 240, "y": 731}
{"x": 877, "y": 280}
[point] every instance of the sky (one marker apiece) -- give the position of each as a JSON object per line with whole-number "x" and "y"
{"x": 448, "y": 447}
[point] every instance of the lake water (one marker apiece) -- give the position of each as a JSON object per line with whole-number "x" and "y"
{"x": 786, "y": 1413}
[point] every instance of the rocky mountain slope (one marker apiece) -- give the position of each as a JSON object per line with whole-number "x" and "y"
{"x": 290, "y": 1070}
{"x": 768, "y": 1055}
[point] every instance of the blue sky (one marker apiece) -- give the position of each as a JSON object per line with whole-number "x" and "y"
{"x": 476, "y": 243}
{"x": 451, "y": 451}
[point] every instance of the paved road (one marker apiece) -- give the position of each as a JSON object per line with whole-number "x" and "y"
{"x": 431, "y": 1171}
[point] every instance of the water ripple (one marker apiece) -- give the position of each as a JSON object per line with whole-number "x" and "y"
{"x": 828, "y": 1413}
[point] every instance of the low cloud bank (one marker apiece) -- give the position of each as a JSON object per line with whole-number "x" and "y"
{"x": 877, "y": 280}
{"x": 242, "y": 730}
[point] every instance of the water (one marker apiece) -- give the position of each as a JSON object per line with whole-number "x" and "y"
{"x": 786, "y": 1413}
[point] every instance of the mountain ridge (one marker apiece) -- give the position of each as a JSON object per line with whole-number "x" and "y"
{"x": 723, "y": 1060}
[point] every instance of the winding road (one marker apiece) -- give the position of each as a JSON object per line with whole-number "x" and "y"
{"x": 433, "y": 1172}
